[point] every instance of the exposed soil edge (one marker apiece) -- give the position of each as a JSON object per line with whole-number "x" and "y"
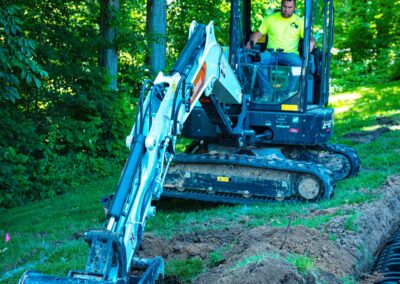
{"x": 376, "y": 223}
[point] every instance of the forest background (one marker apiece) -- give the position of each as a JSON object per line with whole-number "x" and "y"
{"x": 71, "y": 73}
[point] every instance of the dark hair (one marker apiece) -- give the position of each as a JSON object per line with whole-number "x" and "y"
{"x": 294, "y": 1}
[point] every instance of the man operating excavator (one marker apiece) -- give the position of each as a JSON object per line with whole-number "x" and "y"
{"x": 284, "y": 30}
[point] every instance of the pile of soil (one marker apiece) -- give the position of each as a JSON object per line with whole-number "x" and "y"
{"x": 260, "y": 255}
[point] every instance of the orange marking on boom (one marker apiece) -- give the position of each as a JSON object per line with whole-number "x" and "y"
{"x": 198, "y": 83}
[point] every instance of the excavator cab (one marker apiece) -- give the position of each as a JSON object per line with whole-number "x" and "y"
{"x": 288, "y": 104}
{"x": 310, "y": 81}
{"x": 282, "y": 126}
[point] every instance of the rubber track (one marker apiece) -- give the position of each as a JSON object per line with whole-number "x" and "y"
{"x": 346, "y": 151}
{"x": 349, "y": 153}
{"x": 320, "y": 171}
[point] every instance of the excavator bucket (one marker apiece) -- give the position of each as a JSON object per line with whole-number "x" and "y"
{"x": 35, "y": 277}
{"x": 147, "y": 271}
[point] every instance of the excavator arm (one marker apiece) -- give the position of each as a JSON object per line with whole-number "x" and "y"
{"x": 201, "y": 71}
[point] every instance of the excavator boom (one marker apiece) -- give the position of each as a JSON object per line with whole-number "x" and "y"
{"x": 201, "y": 71}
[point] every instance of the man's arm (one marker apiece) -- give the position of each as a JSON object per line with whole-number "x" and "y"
{"x": 312, "y": 43}
{"x": 253, "y": 39}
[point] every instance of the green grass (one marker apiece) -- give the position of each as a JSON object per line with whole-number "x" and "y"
{"x": 350, "y": 223}
{"x": 303, "y": 263}
{"x": 358, "y": 109}
{"x": 45, "y": 234}
{"x": 348, "y": 280}
{"x": 184, "y": 270}
{"x": 218, "y": 256}
{"x": 257, "y": 258}
{"x": 332, "y": 237}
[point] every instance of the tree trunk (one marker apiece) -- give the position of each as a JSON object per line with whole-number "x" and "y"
{"x": 108, "y": 54}
{"x": 156, "y": 28}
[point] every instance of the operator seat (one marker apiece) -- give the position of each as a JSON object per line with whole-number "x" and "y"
{"x": 312, "y": 72}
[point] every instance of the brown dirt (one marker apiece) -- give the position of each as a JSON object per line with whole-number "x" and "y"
{"x": 365, "y": 137}
{"x": 267, "y": 249}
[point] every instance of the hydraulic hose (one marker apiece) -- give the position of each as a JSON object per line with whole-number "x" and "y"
{"x": 128, "y": 174}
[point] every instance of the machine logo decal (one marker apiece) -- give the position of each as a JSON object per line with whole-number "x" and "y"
{"x": 223, "y": 179}
{"x": 327, "y": 124}
{"x": 198, "y": 83}
{"x": 290, "y": 107}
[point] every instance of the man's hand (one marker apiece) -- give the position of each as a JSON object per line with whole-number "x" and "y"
{"x": 249, "y": 44}
{"x": 253, "y": 39}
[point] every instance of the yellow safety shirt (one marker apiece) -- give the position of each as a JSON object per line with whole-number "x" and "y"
{"x": 283, "y": 32}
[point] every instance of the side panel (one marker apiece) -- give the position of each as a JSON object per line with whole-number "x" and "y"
{"x": 288, "y": 128}
{"x": 310, "y": 128}
{"x": 198, "y": 126}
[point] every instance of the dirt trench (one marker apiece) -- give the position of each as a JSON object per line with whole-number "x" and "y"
{"x": 260, "y": 255}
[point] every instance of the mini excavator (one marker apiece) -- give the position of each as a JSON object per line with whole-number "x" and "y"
{"x": 252, "y": 142}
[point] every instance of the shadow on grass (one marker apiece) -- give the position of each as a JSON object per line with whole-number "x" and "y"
{"x": 167, "y": 204}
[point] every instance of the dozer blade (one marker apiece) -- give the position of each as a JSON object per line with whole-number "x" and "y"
{"x": 143, "y": 271}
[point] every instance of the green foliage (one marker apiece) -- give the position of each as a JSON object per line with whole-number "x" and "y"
{"x": 64, "y": 128}
{"x": 367, "y": 43}
{"x": 133, "y": 47}
{"x": 394, "y": 68}
{"x": 17, "y": 64}
{"x": 202, "y": 12}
